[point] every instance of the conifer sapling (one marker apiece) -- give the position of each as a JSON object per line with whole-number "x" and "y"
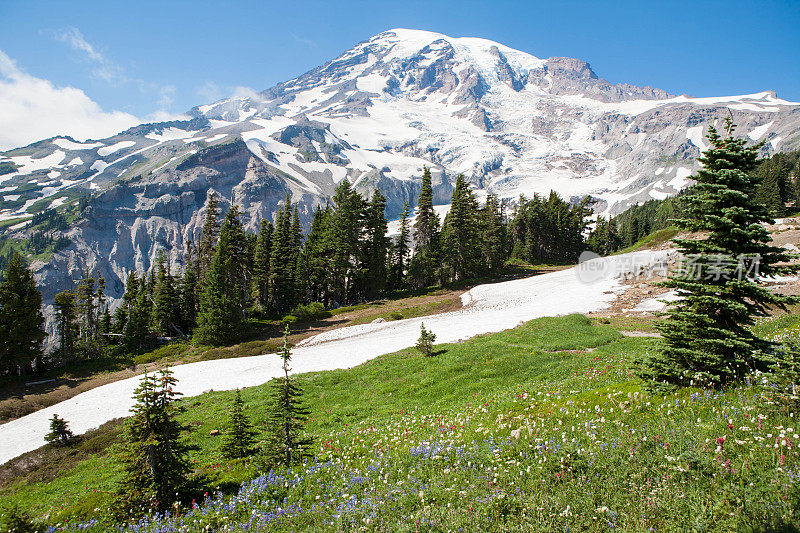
{"x": 59, "y": 434}
{"x": 425, "y": 341}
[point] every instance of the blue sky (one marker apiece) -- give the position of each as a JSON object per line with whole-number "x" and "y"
{"x": 151, "y": 60}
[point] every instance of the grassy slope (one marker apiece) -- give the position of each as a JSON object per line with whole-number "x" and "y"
{"x": 406, "y": 442}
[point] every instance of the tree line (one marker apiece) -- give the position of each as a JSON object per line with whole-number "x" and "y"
{"x": 231, "y": 276}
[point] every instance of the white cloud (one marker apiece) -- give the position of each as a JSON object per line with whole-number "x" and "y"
{"x": 32, "y": 109}
{"x": 105, "y": 69}
{"x": 210, "y": 92}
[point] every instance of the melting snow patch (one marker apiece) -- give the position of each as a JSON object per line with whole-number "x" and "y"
{"x": 108, "y": 150}
{"x": 759, "y": 131}
{"x": 680, "y": 180}
{"x": 695, "y": 135}
{"x": 66, "y": 144}
{"x": 99, "y": 166}
{"x": 170, "y": 134}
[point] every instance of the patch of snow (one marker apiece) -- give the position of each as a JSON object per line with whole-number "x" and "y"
{"x": 28, "y": 164}
{"x": 108, "y": 150}
{"x": 659, "y": 303}
{"x": 695, "y": 135}
{"x": 98, "y": 166}
{"x": 66, "y": 144}
{"x": 759, "y": 131}
{"x": 170, "y": 134}
{"x": 75, "y": 162}
{"x": 680, "y": 180}
{"x": 487, "y": 308}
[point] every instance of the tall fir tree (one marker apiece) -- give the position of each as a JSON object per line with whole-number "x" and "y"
{"x": 345, "y": 235}
{"x": 402, "y": 249}
{"x": 21, "y": 319}
{"x": 136, "y": 332}
{"x": 375, "y": 248}
{"x": 86, "y": 307}
{"x": 189, "y": 290}
{"x": 281, "y": 269}
{"x": 287, "y": 441}
{"x": 166, "y": 311}
{"x": 707, "y": 339}
{"x": 223, "y": 303}
{"x": 493, "y": 239}
{"x": 261, "y": 263}
{"x": 208, "y": 238}
{"x": 318, "y": 252}
{"x": 460, "y": 255}
{"x": 427, "y": 224}
{"x": 64, "y": 303}
{"x": 425, "y": 266}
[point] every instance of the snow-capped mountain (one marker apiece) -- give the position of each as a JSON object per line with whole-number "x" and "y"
{"x": 512, "y": 123}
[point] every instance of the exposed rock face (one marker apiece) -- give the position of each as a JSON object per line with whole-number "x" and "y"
{"x": 512, "y": 123}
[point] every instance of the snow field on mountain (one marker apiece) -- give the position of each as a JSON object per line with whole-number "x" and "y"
{"x": 487, "y": 308}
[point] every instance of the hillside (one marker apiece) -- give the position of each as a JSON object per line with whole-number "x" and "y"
{"x": 543, "y": 427}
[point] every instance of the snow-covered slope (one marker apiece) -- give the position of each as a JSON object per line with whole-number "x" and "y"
{"x": 376, "y": 115}
{"x": 487, "y": 308}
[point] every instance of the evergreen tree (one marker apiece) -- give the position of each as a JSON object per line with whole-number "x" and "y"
{"x": 166, "y": 310}
{"x": 375, "y": 248}
{"x": 64, "y": 303}
{"x": 425, "y": 267}
{"x": 427, "y": 224}
{"x": 282, "y": 263}
{"x": 492, "y": 234}
{"x": 707, "y": 339}
{"x": 425, "y": 341}
{"x": 188, "y": 291}
{"x": 154, "y": 457}
{"x": 318, "y": 252}
{"x": 218, "y": 320}
{"x": 136, "y": 332}
{"x": 208, "y": 238}
{"x": 261, "y": 263}
{"x": 21, "y": 319}
{"x": 86, "y": 308}
{"x": 240, "y": 436}
{"x": 59, "y": 434}
{"x": 460, "y": 255}
{"x": 402, "y": 249}
{"x": 223, "y": 303}
{"x": 288, "y": 443}
{"x": 345, "y": 236}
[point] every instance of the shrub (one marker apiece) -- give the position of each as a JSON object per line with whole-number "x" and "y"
{"x": 310, "y": 312}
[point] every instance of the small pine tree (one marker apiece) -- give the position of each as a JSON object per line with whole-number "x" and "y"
{"x": 154, "y": 457}
{"x": 425, "y": 341}
{"x": 240, "y": 436}
{"x": 287, "y": 441}
{"x": 59, "y": 434}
